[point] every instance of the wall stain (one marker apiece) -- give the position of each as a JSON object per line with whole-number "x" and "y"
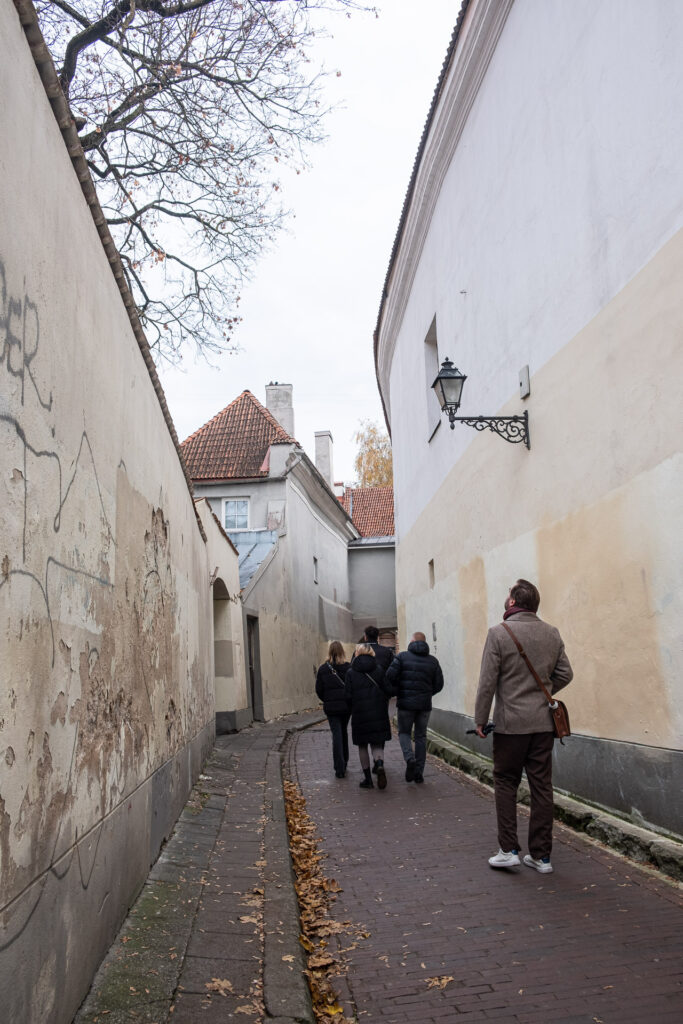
{"x": 103, "y": 650}
{"x": 474, "y": 617}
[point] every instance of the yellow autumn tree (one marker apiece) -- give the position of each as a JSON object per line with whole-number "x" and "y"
{"x": 373, "y": 463}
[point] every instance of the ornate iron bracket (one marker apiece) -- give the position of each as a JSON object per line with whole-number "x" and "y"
{"x": 514, "y": 429}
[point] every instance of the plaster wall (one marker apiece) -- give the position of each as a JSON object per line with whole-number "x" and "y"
{"x": 229, "y": 671}
{"x": 106, "y": 693}
{"x": 372, "y": 577}
{"x": 261, "y": 494}
{"x": 563, "y": 184}
{"x": 297, "y": 616}
{"x": 556, "y": 240}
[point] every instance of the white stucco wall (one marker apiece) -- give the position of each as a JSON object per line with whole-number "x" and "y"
{"x": 260, "y": 493}
{"x": 565, "y": 182}
{"x": 297, "y": 616}
{"x": 372, "y": 575}
{"x": 546, "y": 229}
{"x": 229, "y": 671}
{"x": 106, "y": 694}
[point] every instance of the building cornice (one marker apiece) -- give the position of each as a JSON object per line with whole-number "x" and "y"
{"x": 373, "y": 542}
{"x": 473, "y": 46}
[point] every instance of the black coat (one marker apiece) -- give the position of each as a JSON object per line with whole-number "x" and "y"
{"x": 330, "y": 688}
{"x": 384, "y": 655}
{"x": 366, "y": 690}
{"x": 415, "y": 676}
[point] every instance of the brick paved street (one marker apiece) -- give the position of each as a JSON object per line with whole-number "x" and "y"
{"x": 597, "y": 942}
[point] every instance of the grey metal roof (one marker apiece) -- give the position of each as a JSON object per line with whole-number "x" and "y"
{"x": 253, "y": 546}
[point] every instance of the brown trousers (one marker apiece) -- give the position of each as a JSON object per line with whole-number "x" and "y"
{"x": 532, "y": 752}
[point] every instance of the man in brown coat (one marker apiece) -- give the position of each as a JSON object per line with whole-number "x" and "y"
{"x": 524, "y": 734}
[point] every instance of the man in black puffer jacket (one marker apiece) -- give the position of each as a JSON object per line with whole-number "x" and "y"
{"x": 384, "y": 655}
{"x": 415, "y": 676}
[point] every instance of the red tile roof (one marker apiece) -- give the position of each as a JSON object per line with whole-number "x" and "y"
{"x": 235, "y": 443}
{"x": 371, "y": 510}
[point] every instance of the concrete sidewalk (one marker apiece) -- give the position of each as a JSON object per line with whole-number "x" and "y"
{"x": 214, "y": 935}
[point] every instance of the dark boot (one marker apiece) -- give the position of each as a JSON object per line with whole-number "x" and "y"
{"x": 367, "y": 781}
{"x": 410, "y": 769}
{"x": 381, "y": 776}
{"x": 374, "y": 767}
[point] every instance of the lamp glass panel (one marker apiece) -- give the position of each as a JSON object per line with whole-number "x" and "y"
{"x": 452, "y": 390}
{"x": 438, "y": 391}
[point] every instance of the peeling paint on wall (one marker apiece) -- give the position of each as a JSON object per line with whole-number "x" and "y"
{"x": 106, "y": 688}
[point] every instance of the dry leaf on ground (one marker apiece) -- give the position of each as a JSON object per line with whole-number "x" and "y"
{"x": 439, "y": 982}
{"x": 221, "y": 985}
{"x": 321, "y": 960}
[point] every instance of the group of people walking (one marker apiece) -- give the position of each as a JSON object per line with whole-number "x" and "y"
{"x": 361, "y": 689}
{"x": 517, "y": 653}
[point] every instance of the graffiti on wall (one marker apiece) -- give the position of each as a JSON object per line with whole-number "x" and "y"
{"x": 91, "y": 700}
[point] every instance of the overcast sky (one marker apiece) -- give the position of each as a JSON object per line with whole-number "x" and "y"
{"x": 310, "y": 310}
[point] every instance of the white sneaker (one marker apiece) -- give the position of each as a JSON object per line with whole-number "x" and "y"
{"x": 543, "y": 865}
{"x": 505, "y": 860}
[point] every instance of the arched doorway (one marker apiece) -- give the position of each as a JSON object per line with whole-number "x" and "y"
{"x": 224, "y": 658}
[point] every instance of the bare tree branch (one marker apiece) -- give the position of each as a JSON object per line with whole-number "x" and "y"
{"x": 187, "y": 110}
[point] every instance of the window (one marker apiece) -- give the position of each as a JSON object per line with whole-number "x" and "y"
{"x": 236, "y": 514}
{"x": 315, "y": 569}
{"x": 431, "y": 354}
{"x": 430, "y": 566}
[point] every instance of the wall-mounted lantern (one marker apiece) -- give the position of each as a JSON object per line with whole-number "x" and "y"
{"x": 448, "y": 387}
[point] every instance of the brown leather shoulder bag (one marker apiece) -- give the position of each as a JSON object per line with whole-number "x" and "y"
{"x": 557, "y": 708}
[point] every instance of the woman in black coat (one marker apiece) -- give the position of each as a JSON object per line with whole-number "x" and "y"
{"x": 330, "y": 688}
{"x": 369, "y": 696}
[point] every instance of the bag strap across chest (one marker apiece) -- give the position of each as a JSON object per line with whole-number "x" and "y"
{"x": 333, "y": 669}
{"x": 375, "y": 683}
{"x": 531, "y": 668}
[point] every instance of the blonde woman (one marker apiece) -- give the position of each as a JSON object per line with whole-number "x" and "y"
{"x": 330, "y": 688}
{"x": 369, "y": 695}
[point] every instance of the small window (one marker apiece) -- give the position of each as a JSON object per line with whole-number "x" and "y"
{"x": 236, "y": 514}
{"x": 315, "y": 569}
{"x": 431, "y": 573}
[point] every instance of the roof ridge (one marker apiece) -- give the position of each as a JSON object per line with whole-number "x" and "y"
{"x": 209, "y": 421}
{"x": 373, "y": 487}
{"x": 271, "y": 419}
{"x": 235, "y": 442}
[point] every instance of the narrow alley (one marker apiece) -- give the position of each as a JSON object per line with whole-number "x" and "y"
{"x": 434, "y": 934}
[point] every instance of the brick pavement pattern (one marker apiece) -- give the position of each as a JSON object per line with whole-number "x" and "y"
{"x": 599, "y": 941}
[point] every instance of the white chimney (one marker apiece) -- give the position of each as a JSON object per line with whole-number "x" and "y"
{"x": 279, "y": 403}
{"x": 323, "y": 454}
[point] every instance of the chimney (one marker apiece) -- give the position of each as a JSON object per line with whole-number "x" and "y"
{"x": 279, "y": 403}
{"x": 323, "y": 454}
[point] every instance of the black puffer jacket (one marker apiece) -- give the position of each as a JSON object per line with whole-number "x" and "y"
{"x": 366, "y": 689}
{"x": 384, "y": 655}
{"x": 330, "y": 688}
{"x": 415, "y": 676}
